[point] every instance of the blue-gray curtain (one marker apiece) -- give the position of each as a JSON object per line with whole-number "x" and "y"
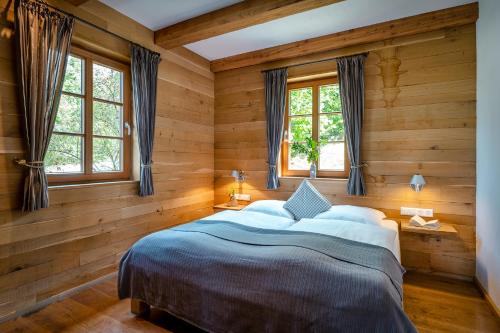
{"x": 144, "y": 68}
{"x": 350, "y": 71}
{"x": 43, "y": 38}
{"x": 275, "y": 94}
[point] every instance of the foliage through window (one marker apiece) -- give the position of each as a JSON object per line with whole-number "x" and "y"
{"x": 90, "y": 140}
{"x": 314, "y": 112}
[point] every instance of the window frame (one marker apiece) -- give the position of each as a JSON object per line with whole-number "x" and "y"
{"x": 314, "y": 84}
{"x": 88, "y": 176}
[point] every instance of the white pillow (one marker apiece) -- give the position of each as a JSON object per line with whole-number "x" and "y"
{"x": 270, "y": 207}
{"x": 353, "y": 213}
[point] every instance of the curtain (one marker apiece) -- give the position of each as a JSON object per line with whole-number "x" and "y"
{"x": 43, "y": 39}
{"x": 144, "y": 67}
{"x": 350, "y": 71}
{"x": 275, "y": 94}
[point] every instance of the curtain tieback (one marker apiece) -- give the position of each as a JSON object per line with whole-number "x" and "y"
{"x": 271, "y": 165}
{"x": 148, "y": 165}
{"x": 31, "y": 164}
{"x": 359, "y": 166}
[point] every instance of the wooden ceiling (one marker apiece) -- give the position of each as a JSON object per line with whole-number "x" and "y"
{"x": 232, "y": 18}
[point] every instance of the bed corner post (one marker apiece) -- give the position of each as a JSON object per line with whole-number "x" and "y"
{"x": 138, "y": 307}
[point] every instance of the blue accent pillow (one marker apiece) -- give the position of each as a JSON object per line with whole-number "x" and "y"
{"x": 307, "y": 202}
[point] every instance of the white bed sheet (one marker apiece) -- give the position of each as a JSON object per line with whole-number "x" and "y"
{"x": 385, "y": 235}
{"x": 252, "y": 219}
{"x": 393, "y": 225}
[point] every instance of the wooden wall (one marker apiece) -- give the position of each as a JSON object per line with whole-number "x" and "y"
{"x": 87, "y": 228}
{"x": 419, "y": 117}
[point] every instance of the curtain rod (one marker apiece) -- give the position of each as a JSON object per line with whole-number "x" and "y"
{"x": 306, "y": 63}
{"x": 88, "y": 23}
{"x": 297, "y": 65}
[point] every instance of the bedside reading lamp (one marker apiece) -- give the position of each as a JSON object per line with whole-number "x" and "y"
{"x": 417, "y": 182}
{"x": 239, "y": 177}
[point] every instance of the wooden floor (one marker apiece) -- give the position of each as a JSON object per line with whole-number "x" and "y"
{"x": 434, "y": 304}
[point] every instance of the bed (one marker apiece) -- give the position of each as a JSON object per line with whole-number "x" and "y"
{"x": 262, "y": 271}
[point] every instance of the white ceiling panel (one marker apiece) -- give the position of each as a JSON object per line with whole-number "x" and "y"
{"x": 157, "y": 14}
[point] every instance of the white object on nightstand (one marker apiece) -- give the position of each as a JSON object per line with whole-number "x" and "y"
{"x": 417, "y": 221}
{"x": 243, "y": 197}
{"x": 427, "y": 212}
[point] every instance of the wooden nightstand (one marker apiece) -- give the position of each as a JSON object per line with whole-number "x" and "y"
{"x": 221, "y": 207}
{"x": 444, "y": 229}
{"x": 448, "y": 250}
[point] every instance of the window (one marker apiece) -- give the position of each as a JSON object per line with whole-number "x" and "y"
{"x": 91, "y": 137}
{"x": 314, "y": 111}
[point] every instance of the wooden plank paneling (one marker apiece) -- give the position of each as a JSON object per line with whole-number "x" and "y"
{"x": 420, "y": 117}
{"x": 87, "y": 228}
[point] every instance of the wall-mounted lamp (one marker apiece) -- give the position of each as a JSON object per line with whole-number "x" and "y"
{"x": 239, "y": 175}
{"x": 417, "y": 182}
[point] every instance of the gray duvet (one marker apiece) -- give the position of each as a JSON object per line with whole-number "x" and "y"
{"x": 225, "y": 277}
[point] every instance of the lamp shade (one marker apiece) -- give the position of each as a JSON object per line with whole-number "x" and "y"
{"x": 239, "y": 175}
{"x": 417, "y": 182}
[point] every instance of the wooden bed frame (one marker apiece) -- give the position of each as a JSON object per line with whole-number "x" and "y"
{"x": 138, "y": 307}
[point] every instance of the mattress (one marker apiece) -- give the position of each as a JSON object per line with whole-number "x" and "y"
{"x": 252, "y": 219}
{"x": 385, "y": 234}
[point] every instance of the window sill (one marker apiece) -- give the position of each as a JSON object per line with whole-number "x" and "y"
{"x": 316, "y": 179}
{"x": 87, "y": 185}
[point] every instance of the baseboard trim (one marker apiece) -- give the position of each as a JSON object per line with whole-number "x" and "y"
{"x": 65, "y": 294}
{"x": 487, "y": 297}
{"x": 467, "y": 278}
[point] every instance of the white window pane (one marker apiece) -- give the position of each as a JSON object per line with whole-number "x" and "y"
{"x": 297, "y": 161}
{"x": 300, "y": 101}
{"x": 107, "y": 119}
{"x": 107, "y": 155}
{"x": 300, "y": 128}
{"x": 107, "y": 83}
{"x": 329, "y": 97}
{"x": 331, "y": 127}
{"x": 69, "y": 115}
{"x": 73, "y": 77}
{"x": 65, "y": 154}
{"x": 332, "y": 156}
